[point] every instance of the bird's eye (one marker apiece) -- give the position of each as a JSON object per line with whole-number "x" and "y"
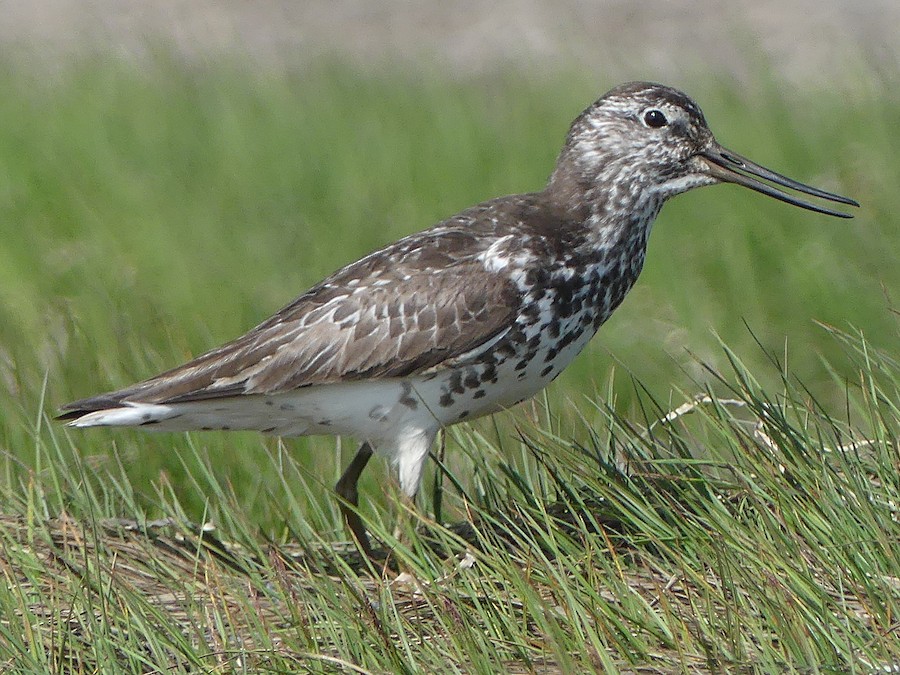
{"x": 655, "y": 118}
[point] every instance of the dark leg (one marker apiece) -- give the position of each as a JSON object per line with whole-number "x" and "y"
{"x": 349, "y": 498}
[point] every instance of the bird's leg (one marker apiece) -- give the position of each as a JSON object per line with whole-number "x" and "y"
{"x": 409, "y": 467}
{"x": 349, "y": 498}
{"x": 404, "y": 519}
{"x": 405, "y": 508}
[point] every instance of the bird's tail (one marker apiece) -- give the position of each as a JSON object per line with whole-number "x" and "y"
{"x": 252, "y": 413}
{"x": 117, "y": 414}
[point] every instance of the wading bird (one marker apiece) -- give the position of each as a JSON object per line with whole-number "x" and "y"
{"x": 468, "y": 317}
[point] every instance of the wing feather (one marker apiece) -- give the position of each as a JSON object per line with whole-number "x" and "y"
{"x": 419, "y": 303}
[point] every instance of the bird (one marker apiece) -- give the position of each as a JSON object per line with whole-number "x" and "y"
{"x": 464, "y": 319}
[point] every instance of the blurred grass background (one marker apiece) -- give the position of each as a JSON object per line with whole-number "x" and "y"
{"x": 150, "y": 212}
{"x": 157, "y": 202}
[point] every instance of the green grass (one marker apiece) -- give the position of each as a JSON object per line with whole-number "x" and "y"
{"x": 151, "y": 213}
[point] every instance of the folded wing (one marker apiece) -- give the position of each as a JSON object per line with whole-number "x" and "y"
{"x": 404, "y": 310}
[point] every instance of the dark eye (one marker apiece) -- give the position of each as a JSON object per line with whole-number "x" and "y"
{"x": 655, "y": 118}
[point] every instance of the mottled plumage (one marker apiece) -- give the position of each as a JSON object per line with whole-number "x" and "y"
{"x": 462, "y": 319}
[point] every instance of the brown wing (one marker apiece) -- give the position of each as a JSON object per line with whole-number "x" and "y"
{"x": 421, "y": 302}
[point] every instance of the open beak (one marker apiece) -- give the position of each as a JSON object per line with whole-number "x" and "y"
{"x": 730, "y": 167}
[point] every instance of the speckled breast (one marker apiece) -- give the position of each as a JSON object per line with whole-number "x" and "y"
{"x": 561, "y": 313}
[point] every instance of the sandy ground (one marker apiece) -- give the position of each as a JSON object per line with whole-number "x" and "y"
{"x": 801, "y": 40}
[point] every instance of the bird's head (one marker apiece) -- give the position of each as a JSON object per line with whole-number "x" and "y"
{"x": 647, "y": 142}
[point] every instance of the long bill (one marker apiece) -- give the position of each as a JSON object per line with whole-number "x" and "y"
{"x": 730, "y": 167}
